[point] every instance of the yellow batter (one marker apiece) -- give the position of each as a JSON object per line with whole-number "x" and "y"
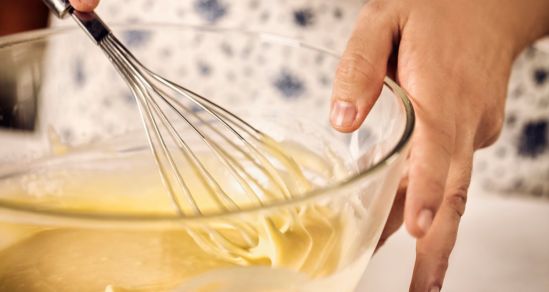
{"x": 305, "y": 240}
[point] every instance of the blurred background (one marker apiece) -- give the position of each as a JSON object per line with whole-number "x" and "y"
{"x": 504, "y": 235}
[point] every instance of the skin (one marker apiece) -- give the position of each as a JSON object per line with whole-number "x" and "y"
{"x": 84, "y": 5}
{"x": 454, "y": 59}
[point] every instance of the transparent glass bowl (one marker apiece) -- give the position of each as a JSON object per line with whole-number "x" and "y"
{"x": 64, "y": 110}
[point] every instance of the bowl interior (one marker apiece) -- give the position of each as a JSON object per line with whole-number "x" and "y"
{"x": 64, "y": 95}
{"x": 80, "y": 192}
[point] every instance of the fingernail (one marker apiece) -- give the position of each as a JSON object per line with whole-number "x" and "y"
{"x": 434, "y": 289}
{"x": 343, "y": 113}
{"x": 425, "y": 219}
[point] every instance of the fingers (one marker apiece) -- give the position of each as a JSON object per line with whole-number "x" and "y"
{"x": 84, "y": 5}
{"x": 432, "y": 145}
{"x": 429, "y": 164}
{"x": 433, "y": 250}
{"x": 360, "y": 74}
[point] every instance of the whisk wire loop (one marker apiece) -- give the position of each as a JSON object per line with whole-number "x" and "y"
{"x": 257, "y": 164}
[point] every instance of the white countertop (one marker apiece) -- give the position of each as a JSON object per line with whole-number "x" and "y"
{"x": 503, "y": 245}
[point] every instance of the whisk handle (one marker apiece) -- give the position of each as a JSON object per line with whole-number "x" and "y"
{"x": 96, "y": 29}
{"x": 59, "y": 7}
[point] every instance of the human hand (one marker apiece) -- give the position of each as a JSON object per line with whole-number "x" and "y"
{"x": 454, "y": 59}
{"x": 84, "y": 5}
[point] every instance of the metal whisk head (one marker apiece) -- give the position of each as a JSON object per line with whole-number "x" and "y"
{"x": 209, "y": 158}
{"x": 228, "y": 164}
{"x": 213, "y": 161}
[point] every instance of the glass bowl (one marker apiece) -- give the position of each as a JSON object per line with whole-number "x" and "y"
{"x": 82, "y": 209}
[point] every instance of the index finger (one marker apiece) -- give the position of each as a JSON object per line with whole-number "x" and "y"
{"x": 84, "y": 5}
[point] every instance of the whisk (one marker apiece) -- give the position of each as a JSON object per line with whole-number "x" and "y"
{"x": 239, "y": 158}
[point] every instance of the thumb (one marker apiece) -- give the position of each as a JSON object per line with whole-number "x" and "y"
{"x": 84, "y": 5}
{"x": 361, "y": 71}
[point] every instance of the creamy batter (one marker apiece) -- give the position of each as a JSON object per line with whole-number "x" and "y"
{"x": 300, "y": 243}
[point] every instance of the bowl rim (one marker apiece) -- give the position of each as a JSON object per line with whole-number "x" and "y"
{"x": 97, "y": 218}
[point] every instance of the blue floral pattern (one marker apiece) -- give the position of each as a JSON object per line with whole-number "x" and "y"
{"x": 533, "y": 139}
{"x": 210, "y": 10}
{"x": 289, "y": 84}
{"x": 519, "y": 161}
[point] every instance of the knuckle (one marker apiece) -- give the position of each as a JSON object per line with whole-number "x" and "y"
{"x": 457, "y": 200}
{"x": 355, "y": 67}
{"x": 438, "y": 257}
{"x": 442, "y": 262}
